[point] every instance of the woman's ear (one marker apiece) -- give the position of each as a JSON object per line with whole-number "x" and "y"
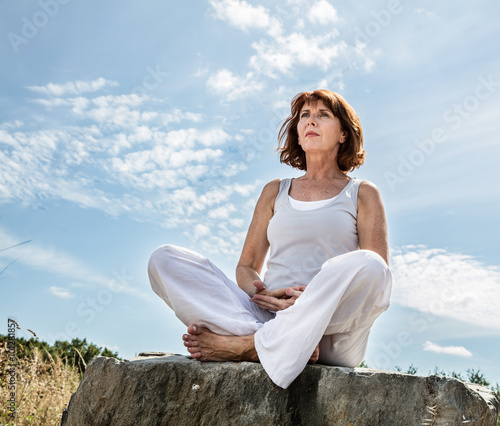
{"x": 343, "y": 137}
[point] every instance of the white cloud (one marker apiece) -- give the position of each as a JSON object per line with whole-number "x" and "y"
{"x": 52, "y": 103}
{"x": 244, "y": 16}
{"x": 73, "y": 87}
{"x": 223, "y": 212}
{"x": 117, "y": 111}
{"x": 232, "y": 87}
{"x": 26, "y": 158}
{"x": 369, "y": 65}
{"x": 222, "y": 244}
{"x": 127, "y": 155}
{"x": 177, "y": 116}
{"x": 423, "y": 11}
{"x": 60, "y": 263}
{"x": 202, "y": 66}
{"x": 61, "y": 292}
{"x": 201, "y": 231}
{"x": 77, "y": 105}
{"x": 166, "y": 163}
{"x": 110, "y": 111}
{"x": 237, "y": 222}
{"x": 246, "y": 190}
{"x": 448, "y": 350}
{"x": 322, "y": 13}
{"x": 40, "y": 164}
{"x": 114, "y": 101}
{"x": 47, "y": 259}
{"x": 15, "y": 124}
{"x": 278, "y": 53}
{"x": 281, "y": 104}
{"x": 446, "y": 284}
{"x": 285, "y": 52}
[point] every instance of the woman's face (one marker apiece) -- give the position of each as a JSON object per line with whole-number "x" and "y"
{"x": 319, "y": 129}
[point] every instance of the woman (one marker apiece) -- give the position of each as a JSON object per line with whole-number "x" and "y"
{"x": 327, "y": 278}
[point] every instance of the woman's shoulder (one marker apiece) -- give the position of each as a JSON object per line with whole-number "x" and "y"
{"x": 274, "y": 188}
{"x": 271, "y": 189}
{"x": 268, "y": 196}
{"x": 368, "y": 191}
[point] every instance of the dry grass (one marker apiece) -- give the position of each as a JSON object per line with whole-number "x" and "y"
{"x": 43, "y": 389}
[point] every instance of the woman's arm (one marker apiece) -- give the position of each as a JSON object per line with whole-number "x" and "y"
{"x": 256, "y": 244}
{"x": 372, "y": 225}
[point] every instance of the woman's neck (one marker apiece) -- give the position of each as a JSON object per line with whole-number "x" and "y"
{"x": 323, "y": 169}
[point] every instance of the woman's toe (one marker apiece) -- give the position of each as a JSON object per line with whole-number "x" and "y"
{"x": 194, "y": 329}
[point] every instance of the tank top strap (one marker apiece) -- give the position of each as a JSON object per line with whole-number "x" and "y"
{"x": 352, "y": 191}
{"x": 282, "y": 197}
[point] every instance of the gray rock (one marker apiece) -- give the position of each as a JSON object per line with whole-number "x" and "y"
{"x": 166, "y": 389}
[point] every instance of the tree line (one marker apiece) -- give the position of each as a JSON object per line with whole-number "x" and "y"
{"x": 77, "y": 353}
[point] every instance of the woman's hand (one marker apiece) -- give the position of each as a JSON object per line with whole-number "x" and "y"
{"x": 275, "y": 300}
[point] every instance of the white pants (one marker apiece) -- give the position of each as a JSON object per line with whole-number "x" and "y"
{"x": 336, "y": 310}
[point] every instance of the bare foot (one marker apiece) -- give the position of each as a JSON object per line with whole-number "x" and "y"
{"x": 204, "y": 345}
{"x": 315, "y": 356}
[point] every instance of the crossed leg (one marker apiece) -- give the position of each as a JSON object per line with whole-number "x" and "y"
{"x": 204, "y": 345}
{"x": 354, "y": 287}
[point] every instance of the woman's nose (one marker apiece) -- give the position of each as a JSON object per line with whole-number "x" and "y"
{"x": 311, "y": 120}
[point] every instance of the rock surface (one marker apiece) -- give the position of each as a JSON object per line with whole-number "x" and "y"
{"x": 167, "y": 389}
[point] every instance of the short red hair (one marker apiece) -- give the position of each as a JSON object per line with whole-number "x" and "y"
{"x": 351, "y": 154}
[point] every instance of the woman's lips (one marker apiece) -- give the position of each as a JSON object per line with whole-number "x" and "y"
{"x": 311, "y": 134}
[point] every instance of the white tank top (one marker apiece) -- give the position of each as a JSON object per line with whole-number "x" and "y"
{"x": 308, "y": 205}
{"x": 302, "y": 240}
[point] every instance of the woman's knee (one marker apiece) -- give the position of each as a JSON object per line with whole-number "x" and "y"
{"x": 373, "y": 262}
{"x": 379, "y": 275}
{"x": 370, "y": 266}
{"x": 161, "y": 255}
{"x": 365, "y": 260}
{"x": 173, "y": 257}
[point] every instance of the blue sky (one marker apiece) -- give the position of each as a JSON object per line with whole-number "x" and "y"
{"x": 128, "y": 125}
